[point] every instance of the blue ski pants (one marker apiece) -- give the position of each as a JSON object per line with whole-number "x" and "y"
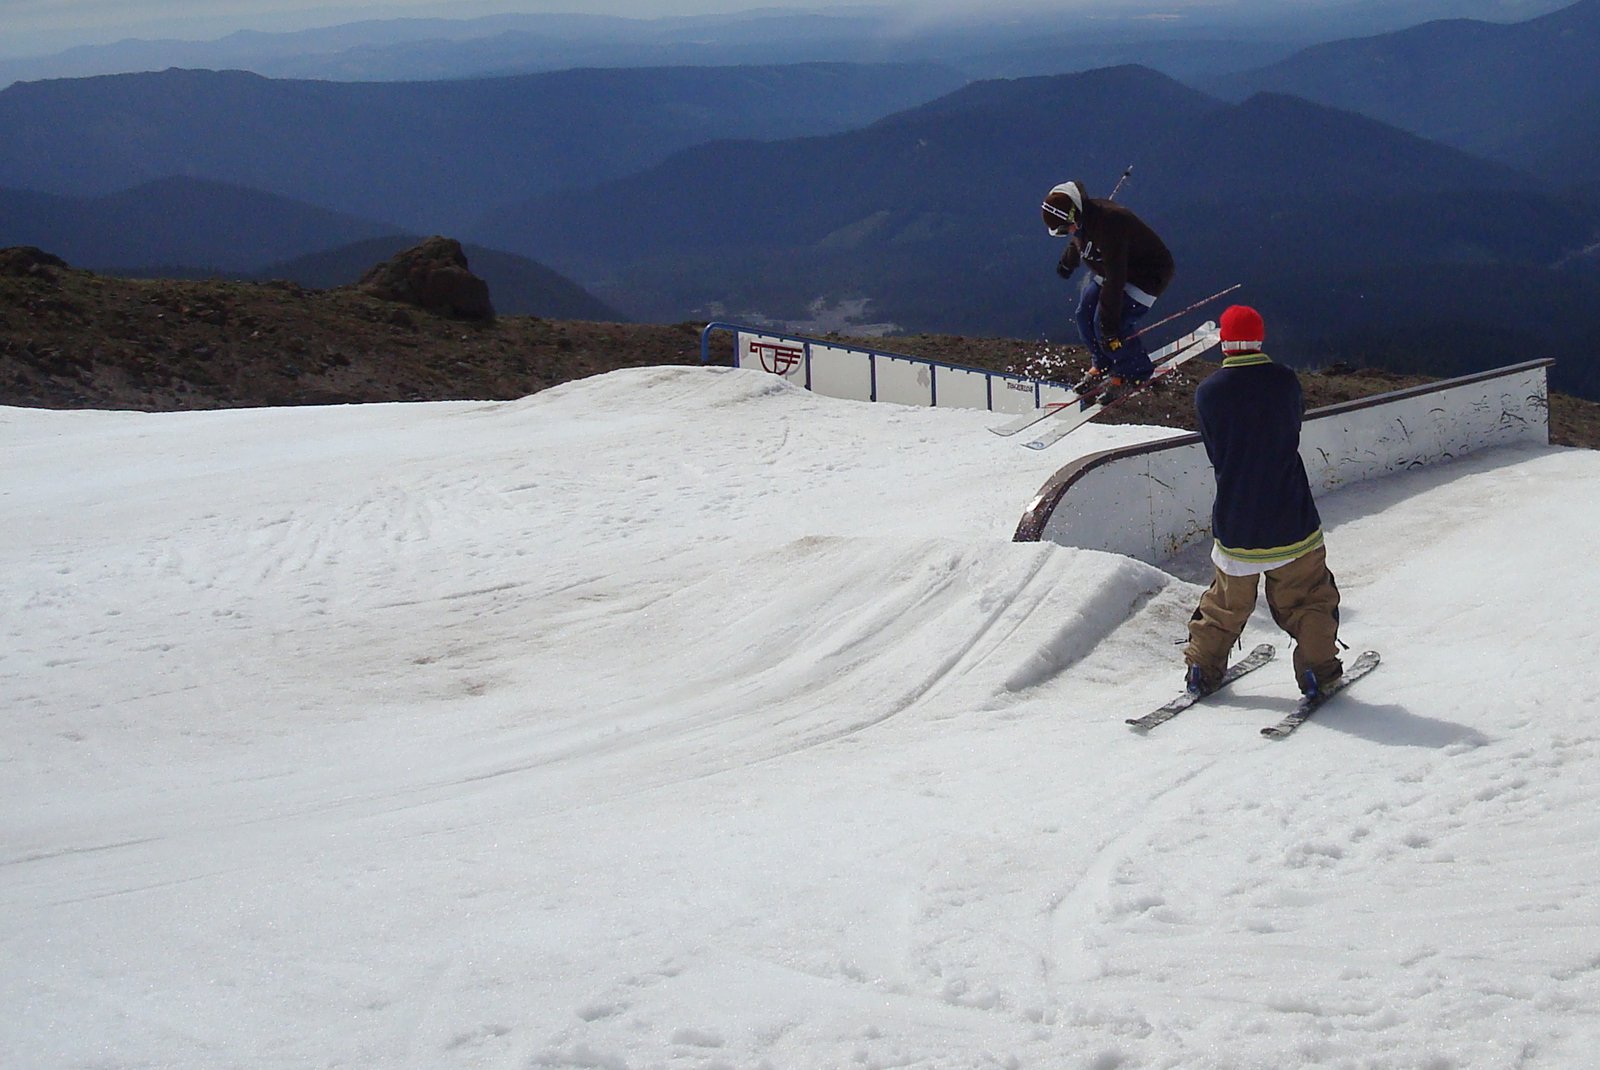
{"x": 1132, "y": 361}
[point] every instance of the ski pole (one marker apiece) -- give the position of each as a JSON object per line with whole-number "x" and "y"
{"x": 1120, "y": 181}
{"x": 1181, "y": 311}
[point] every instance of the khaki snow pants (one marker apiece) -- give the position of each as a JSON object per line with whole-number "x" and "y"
{"x": 1304, "y": 601}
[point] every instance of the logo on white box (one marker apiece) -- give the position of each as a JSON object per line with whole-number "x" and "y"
{"x": 779, "y": 358}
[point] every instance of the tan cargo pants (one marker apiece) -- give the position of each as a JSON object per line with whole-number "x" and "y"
{"x": 1304, "y": 601}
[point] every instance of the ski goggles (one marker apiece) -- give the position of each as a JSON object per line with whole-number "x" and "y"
{"x": 1068, "y": 218}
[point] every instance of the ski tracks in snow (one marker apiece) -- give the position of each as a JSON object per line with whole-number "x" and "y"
{"x": 1324, "y": 880}
{"x": 527, "y": 735}
{"x": 869, "y": 630}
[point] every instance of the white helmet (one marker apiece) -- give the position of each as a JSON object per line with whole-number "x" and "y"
{"x": 1063, "y": 207}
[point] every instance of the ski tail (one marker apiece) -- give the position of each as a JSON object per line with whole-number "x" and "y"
{"x": 1162, "y": 714}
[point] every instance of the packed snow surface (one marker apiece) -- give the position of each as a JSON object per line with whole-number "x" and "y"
{"x": 680, "y": 718}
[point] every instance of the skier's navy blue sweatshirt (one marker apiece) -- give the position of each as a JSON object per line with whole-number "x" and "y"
{"x": 1250, "y": 412}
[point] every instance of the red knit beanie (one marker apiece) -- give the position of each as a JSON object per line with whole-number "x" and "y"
{"x": 1242, "y": 329}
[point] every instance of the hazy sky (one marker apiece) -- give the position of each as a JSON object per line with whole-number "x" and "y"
{"x": 204, "y": 16}
{"x": 66, "y": 22}
{"x": 37, "y": 26}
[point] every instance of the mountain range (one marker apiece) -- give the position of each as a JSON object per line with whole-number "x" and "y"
{"x": 176, "y": 222}
{"x": 423, "y": 156}
{"x": 931, "y": 216}
{"x": 1526, "y": 94}
{"x": 1410, "y": 240}
{"x": 239, "y": 233}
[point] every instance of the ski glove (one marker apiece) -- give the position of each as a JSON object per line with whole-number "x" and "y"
{"x": 1068, "y": 262}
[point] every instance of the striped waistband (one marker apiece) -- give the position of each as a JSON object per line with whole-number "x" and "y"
{"x": 1130, "y": 290}
{"x": 1264, "y": 560}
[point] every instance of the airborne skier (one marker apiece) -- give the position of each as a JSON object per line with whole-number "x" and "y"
{"x": 1130, "y": 265}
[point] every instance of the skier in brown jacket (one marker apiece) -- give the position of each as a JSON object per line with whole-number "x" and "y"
{"x": 1131, "y": 267}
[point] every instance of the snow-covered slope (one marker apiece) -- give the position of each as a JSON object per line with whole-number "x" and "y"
{"x": 678, "y": 717}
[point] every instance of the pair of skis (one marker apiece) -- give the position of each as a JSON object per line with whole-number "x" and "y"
{"x": 1072, "y": 413}
{"x": 1258, "y": 657}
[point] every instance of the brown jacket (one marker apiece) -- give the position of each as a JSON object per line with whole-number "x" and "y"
{"x": 1121, "y": 249}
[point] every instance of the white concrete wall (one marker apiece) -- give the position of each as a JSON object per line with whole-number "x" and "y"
{"x": 872, "y": 375}
{"x": 1349, "y": 446}
{"x": 1151, "y": 503}
{"x": 1148, "y": 506}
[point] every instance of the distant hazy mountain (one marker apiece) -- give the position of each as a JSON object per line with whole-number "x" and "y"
{"x": 998, "y": 40}
{"x": 1343, "y": 225}
{"x": 518, "y": 286}
{"x": 1507, "y": 92}
{"x": 977, "y": 161}
{"x": 959, "y": 180}
{"x": 1565, "y": 148}
{"x": 421, "y": 156}
{"x": 417, "y": 49}
{"x": 187, "y": 228}
{"x": 206, "y": 225}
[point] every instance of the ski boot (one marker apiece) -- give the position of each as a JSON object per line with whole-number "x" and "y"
{"x": 1311, "y": 687}
{"x": 1091, "y": 383}
{"x": 1196, "y": 683}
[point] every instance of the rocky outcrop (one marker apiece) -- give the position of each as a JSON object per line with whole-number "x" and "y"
{"x": 27, "y": 260}
{"x": 433, "y": 276}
